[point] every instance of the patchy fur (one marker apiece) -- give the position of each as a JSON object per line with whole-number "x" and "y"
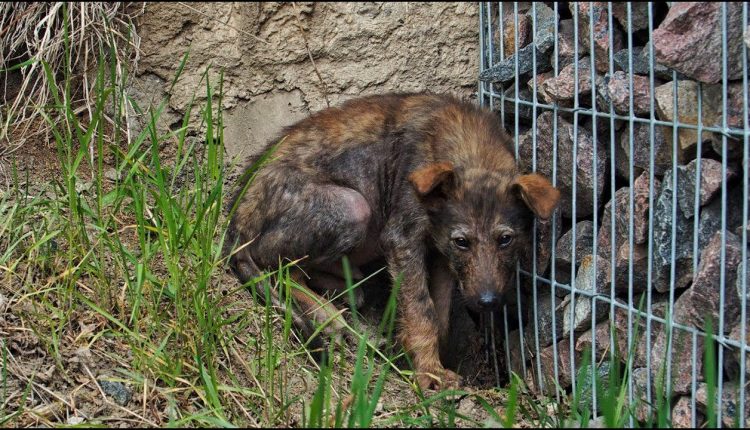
{"x": 400, "y": 177}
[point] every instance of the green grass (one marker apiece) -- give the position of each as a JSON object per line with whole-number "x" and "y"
{"x": 131, "y": 273}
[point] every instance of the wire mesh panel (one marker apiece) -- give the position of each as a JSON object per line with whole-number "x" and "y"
{"x": 638, "y": 113}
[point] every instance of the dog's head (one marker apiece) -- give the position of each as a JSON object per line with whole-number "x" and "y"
{"x": 481, "y": 221}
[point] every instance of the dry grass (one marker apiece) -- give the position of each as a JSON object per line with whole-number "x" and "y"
{"x": 31, "y": 33}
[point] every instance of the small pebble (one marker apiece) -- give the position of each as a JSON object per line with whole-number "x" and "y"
{"x": 117, "y": 390}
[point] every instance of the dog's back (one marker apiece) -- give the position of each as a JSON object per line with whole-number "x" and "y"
{"x": 372, "y": 143}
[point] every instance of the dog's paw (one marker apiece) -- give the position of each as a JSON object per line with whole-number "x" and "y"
{"x": 438, "y": 379}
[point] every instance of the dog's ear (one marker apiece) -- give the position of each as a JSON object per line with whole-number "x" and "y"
{"x": 432, "y": 178}
{"x": 538, "y": 194}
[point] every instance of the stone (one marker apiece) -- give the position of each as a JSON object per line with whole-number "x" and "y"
{"x": 564, "y": 249}
{"x": 735, "y": 147}
{"x": 566, "y": 53}
{"x": 711, "y": 214}
{"x": 584, "y": 162}
{"x": 738, "y": 231}
{"x": 681, "y": 357}
{"x": 730, "y": 402}
{"x": 603, "y": 101}
{"x": 662, "y": 236}
{"x": 543, "y": 321}
{"x": 112, "y": 175}
{"x": 747, "y": 37}
{"x": 660, "y": 71}
{"x": 601, "y": 31}
{"x": 589, "y": 376}
{"x": 704, "y": 293}
{"x": 546, "y": 20}
{"x": 644, "y": 342}
{"x": 536, "y": 85}
{"x": 642, "y": 145}
{"x": 601, "y": 337}
{"x": 83, "y": 187}
{"x": 682, "y": 414}
{"x": 738, "y": 285}
{"x": 621, "y": 60}
{"x": 509, "y": 33}
{"x": 689, "y": 40}
{"x": 712, "y": 115}
{"x": 602, "y": 334}
{"x": 603, "y": 126}
{"x": 710, "y": 183}
{"x": 505, "y": 70}
{"x": 687, "y": 113}
{"x": 75, "y": 420}
{"x": 622, "y": 163}
{"x": 548, "y": 356}
{"x": 117, "y": 390}
{"x": 640, "y": 380}
{"x": 509, "y": 102}
{"x": 562, "y": 87}
{"x": 638, "y": 15}
{"x": 592, "y": 277}
{"x": 641, "y": 63}
{"x": 735, "y": 355}
{"x": 638, "y": 259}
{"x": 712, "y": 98}
{"x": 619, "y": 93}
{"x": 605, "y": 236}
{"x": 641, "y": 194}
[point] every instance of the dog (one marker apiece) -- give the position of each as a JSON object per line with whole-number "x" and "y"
{"x": 424, "y": 181}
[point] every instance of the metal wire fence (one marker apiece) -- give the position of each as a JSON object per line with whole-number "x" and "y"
{"x": 638, "y": 113}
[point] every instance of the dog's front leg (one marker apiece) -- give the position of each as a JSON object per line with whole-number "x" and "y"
{"x": 418, "y": 322}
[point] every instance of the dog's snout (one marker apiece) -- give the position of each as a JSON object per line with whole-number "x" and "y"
{"x": 488, "y": 300}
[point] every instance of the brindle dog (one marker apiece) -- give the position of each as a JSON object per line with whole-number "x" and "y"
{"x": 426, "y": 182}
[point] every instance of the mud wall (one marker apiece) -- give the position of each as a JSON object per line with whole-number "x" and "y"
{"x": 265, "y": 51}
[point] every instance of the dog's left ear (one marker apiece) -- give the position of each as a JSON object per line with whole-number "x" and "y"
{"x": 538, "y": 194}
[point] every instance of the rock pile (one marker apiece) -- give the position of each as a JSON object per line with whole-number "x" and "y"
{"x": 647, "y": 209}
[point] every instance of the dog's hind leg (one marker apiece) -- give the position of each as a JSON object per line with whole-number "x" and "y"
{"x": 317, "y": 223}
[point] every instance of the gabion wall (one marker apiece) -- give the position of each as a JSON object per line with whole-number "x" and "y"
{"x": 638, "y": 112}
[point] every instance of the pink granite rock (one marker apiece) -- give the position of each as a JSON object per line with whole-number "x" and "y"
{"x": 689, "y": 40}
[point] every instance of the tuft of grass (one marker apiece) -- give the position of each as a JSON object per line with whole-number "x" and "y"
{"x": 29, "y": 37}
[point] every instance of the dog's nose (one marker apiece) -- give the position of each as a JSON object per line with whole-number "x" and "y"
{"x": 488, "y": 301}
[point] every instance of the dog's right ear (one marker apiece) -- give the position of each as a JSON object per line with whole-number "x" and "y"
{"x": 431, "y": 178}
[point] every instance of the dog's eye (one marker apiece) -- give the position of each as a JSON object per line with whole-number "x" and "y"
{"x": 505, "y": 240}
{"x": 461, "y": 242}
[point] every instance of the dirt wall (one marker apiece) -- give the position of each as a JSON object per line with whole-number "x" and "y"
{"x": 265, "y": 50}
